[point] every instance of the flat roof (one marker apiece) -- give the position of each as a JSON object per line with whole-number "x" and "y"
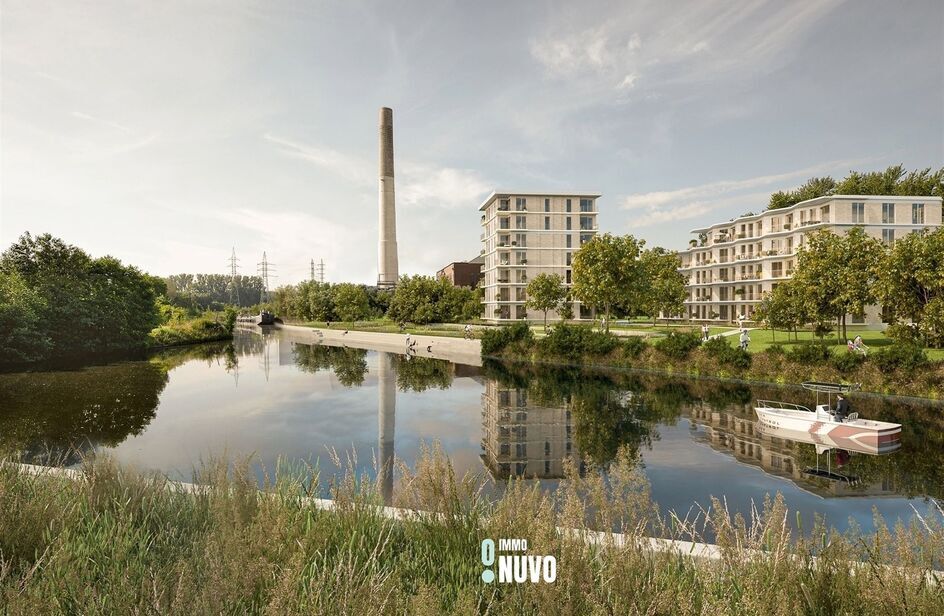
{"x": 537, "y": 193}
{"x": 813, "y": 201}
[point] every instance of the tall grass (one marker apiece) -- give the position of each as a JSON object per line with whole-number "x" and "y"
{"x": 120, "y": 542}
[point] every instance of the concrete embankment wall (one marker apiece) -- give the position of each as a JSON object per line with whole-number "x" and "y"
{"x": 457, "y": 350}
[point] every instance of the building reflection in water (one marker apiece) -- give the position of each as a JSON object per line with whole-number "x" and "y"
{"x": 521, "y": 439}
{"x": 737, "y": 432}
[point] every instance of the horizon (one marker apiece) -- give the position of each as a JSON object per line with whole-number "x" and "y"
{"x": 166, "y": 135}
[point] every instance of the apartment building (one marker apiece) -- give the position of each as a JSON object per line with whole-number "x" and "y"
{"x": 529, "y": 233}
{"x": 520, "y": 439}
{"x": 731, "y": 265}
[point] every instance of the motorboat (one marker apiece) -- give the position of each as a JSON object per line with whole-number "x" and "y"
{"x": 851, "y": 433}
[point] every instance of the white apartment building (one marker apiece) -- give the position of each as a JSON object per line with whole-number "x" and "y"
{"x": 733, "y": 264}
{"x": 529, "y": 233}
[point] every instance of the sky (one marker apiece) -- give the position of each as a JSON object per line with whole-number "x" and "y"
{"x": 168, "y": 133}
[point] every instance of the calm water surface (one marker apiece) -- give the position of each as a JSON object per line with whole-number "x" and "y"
{"x": 276, "y": 399}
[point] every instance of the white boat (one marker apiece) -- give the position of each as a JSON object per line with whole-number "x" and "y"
{"x": 852, "y": 433}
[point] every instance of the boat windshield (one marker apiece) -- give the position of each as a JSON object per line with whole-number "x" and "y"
{"x": 830, "y": 388}
{"x": 783, "y": 406}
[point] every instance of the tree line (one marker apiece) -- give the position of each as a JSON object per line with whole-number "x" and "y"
{"x": 416, "y": 299}
{"x": 213, "y": 291}
{"x": 839, "y": 275}
{"x": 892, "y": 181}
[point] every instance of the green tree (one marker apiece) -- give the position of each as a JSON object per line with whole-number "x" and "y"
{"x": 665, "y": 285}
{"x": 88, "y": 305}
{"x": 608, "y": 273}
{"x": 911, "y": 283}
{"x": 351, "y": 301}
{"x": 546, "y": 292}
{"x": 819, "y": 274}
{"x": 784, "y": 307}
{"x": 320, "y": 301}
{"x": 860, "y": 268}
{"x": 21, "y": 308}
{"x": 814, "y": 187}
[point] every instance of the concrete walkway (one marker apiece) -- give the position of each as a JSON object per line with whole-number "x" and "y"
{"x": 457, "y": 350}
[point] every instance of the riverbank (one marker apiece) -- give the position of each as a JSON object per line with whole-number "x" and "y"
{"x": 124, "y": 543}
{"x": 893, "y": 370}
{"x": 456, "y": 350}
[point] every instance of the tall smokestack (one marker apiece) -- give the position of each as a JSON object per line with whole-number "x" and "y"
{"x": 388, "y": 270}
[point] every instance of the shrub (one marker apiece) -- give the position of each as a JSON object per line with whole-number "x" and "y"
{"x": 721, "y": 350}
{"x": 678, "y": 344}
{"x": 634, "y": 346}
{"x": 810, "y": 353}
{"x": 495, "y": 340}
{"x": 776, "y": 349}
{"x": 899, "y": 356}
{"x": 846, "y": 362}
{"x": 567, "y": 340}
{"x": 905, "y": 333}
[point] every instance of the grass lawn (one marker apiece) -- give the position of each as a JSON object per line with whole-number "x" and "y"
{"x": 761, "y": 339}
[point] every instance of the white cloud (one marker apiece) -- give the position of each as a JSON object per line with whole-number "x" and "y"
{"x": 342, "y": 165}
{"x": 692, "y": 201}
{"x": 628, "y": 82}
{"x": 447, "y": 187}
{"x": 109, "y": 123}
{"x": 705, "y": 40}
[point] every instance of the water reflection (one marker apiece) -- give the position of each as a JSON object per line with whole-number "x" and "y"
{"x": 274, "y": 398}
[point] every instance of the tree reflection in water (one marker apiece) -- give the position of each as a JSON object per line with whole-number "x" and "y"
{"x": 349, "y": 365}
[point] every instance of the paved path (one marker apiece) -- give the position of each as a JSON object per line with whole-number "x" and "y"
{"x": 458, "y": 350}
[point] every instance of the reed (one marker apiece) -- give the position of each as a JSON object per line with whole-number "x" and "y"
{"x": 117, "y": 541}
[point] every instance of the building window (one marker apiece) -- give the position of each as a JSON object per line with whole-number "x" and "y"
{"x": 585, "y": 237}
{"x": 917, "y": 213}
{"x": 547, "y": 205}
{"x": 521, "y": 222}
{"x": 567, "y": 279}
{"x": 547, "y": 223}
{"x": 570, "y": 256}
{"x": 858, "y": 213}
{"x": 586, "y": 205}
{"x": 521, "y": 204}
{"x": 503, "y": 205}
{"x": 888, "y": 236}
{"x": 888, "y": 213}
{"x": 569, "y": 227}
{"x": 586, "y": 223}
{"x": 567, "y": 203}
{"x": 569, "y": 241}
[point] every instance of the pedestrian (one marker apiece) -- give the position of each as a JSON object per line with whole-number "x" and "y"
{"x": 842, "y": 408}
{"x": 429, "y": 348}
{"x": 468, "y": 331}
{"x": 745, "y": 339}
{"x": 704, "y": 332}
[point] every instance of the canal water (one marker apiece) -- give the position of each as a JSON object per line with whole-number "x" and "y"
{"x": 275, "y": 399}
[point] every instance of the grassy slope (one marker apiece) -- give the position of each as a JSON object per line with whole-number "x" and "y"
{"x": 117, "y": 543}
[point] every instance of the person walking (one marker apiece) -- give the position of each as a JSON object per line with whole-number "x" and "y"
{"x": 468, "y": 332}
{"x": 704, "y": 332}
{"x": 745, "y": 339}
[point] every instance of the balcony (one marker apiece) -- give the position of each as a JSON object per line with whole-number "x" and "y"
{"x": 807, "y": 223}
